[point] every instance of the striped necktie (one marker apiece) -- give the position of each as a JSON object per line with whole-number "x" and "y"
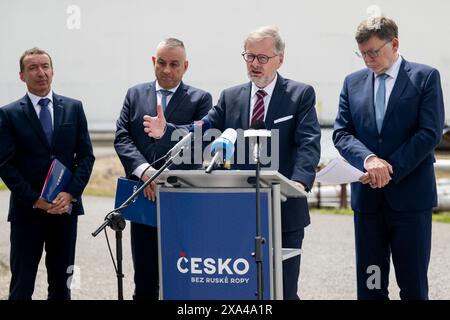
{"x": 258, "y": 109}
{"x": 164, "y": 95}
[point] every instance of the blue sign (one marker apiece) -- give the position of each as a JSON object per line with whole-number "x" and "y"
{"x": 141, "y": 210}
{"x": 206, "y": 245}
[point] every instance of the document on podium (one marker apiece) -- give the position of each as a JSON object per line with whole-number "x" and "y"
{"x": 338, "y": 171}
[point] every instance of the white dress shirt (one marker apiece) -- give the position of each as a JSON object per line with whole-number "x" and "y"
{"x": 35, "y": 99}
{"x": 159, "y": 95}
{"x": 389, "y": 83}
{"x": 392, "y": 72}
{"x": 253, "y": 98}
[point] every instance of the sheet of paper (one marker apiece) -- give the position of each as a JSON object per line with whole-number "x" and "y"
{"x": 338, "y": 171}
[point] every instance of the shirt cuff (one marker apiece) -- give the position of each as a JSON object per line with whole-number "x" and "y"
{"x": 369, "y": 156}
{"x": 164, "y": 132}
{"x": 139, "y": 170}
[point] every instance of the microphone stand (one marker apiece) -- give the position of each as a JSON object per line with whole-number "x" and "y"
{"x": 259, "y": 241}
{"x": 115, "y": 220}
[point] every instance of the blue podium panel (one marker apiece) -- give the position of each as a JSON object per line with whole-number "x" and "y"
{"x": 206, "y": 244}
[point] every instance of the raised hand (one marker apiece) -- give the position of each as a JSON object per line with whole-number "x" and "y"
{"x": 155, "y": 127}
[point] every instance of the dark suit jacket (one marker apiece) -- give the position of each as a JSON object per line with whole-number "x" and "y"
{"x": 412, "y": 128}
{"x": 132, "y": 144}
{"x": 299, "y": 137}
{"x": 25, "y": 155}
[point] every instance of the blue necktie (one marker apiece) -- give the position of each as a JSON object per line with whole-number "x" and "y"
{"x": 380, "y": 100}
{"x": 164, "y": 95}
{"x": 46, "y": 119}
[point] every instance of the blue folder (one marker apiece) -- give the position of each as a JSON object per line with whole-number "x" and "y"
{"x": 58, "y": 177}
{"x": 141, "y": 210}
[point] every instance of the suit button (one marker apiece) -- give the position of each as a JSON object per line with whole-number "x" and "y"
{"x": 380, "y": 140}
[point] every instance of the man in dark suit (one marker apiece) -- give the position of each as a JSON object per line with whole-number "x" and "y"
{"x": 390, "y": 119}
{"x": 284, "y": 105}
{"x": 180, "y": 104}
{"x": 34, "y": 130}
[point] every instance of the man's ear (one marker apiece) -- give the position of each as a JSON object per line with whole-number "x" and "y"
{"x": 281, "y": 60}
{"x": 395, "y": 44}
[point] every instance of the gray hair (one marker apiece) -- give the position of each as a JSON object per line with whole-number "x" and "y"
{"x": 171, "y": 43}
{"x": 267, "y": 32}
{"x": 30, "y": 52}
{"x": 382, "y": 27}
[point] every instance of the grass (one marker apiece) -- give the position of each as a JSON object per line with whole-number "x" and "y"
{"x": 443, "y": 217}
{"x": 106, "y": 171}
{"x": 99, "y": 192}
{"x": 346, "y": 212}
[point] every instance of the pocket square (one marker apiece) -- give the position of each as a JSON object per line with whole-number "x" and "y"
{"x": 283, "y": 119}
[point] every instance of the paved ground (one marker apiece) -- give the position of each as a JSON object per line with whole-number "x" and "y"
{"x": 327, "y": 272}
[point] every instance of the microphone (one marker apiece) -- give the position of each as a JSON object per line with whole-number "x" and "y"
{"x": 222, "y": 147}
{"x": 257, "y": 129}
{"x": 203, "y": 124}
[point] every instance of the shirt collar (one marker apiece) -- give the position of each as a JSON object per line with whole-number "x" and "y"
{"x": 392, "y": 72}
{"x": 35, "y": 99}
{"x": 158, "y": 87}
{"x": 268, "y": 89}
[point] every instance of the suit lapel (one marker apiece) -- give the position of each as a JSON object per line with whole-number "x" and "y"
{"x": 275, "y": 102}
{"x": 176, "y": 100}
{"x": 151, "y": 100}
{"x": 366, "y": 91}
{"x": 58, "y": 115}
{"x": 399, "y": 87}
{"x": 242, "y": 105}
{"x": 30, "y": 112}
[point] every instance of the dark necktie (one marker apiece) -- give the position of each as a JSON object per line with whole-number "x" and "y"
{"x": 258, "y": 109}
{"x": 164, "y": 95}
{"x": 380, "y": 100}
{"x": 46, "y": 119}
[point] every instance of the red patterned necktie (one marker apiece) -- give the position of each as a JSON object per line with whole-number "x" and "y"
{"x": 258, "y": 109}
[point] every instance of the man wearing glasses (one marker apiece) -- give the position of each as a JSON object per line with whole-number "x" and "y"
{"x": 390, "y": 119}
{"x": 284, "y": 105}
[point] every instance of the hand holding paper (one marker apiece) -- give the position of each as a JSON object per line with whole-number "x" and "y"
{"x": 338, "y": 171}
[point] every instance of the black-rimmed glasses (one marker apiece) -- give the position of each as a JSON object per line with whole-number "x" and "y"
{"x": 262, "y": 58}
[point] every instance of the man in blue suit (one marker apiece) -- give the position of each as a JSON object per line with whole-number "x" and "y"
{"x": 284, "y": 105}
{"x": 390, "y": 119}
{"x": 180, "y": 104}
{"x": 34, "y": 130}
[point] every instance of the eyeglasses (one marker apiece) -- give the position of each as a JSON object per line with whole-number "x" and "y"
{"x": 262, "y": 58}
{"x": 371, "y": 53}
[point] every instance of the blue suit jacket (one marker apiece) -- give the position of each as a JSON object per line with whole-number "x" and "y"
{"x": 412, "y": 128}
{"x": 132, "y": 144}
{"x": 299, "y": 137}
{"x": 25, "y": 155}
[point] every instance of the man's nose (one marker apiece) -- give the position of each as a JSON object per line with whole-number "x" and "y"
{"x": 40, "y": 71}
{"x": 255, "y": 62}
